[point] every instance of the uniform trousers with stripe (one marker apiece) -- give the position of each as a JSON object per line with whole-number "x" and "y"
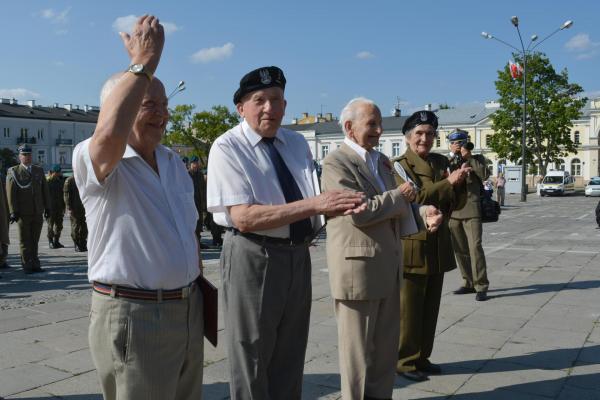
{"x": 267, "y": 299}
{"x": 148, "y": 350}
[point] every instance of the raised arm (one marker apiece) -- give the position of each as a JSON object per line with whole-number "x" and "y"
{"x": 120, "y": 108}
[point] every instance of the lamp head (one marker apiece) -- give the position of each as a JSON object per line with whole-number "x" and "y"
{"x": 534, "y": 38}
{"x": 486, "y": 35}
{"x": 567, "y": 24}
{"x": 181, "y": 85}
{"x": 514, "y": 20}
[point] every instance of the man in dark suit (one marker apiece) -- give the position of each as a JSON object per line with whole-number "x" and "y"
{"x": 28, "y": 203}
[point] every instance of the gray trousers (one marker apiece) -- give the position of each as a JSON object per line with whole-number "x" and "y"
{"x": 466, "y": 241}
{"x": 267, "y": 299}
{"x": 148, "y": 350}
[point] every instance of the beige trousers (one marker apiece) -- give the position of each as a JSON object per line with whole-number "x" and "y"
{"x": 368, "y": 334}
{"x": 148, "y": 350}
{"x": 466, "y": 241}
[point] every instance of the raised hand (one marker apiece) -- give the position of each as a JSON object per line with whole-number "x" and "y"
{"x": 458, "y": 176}
{"x": 145, "y": 44}
{"x": 340, "y": 202}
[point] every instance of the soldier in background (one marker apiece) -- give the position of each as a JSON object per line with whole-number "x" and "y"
{"x": 77, "y": 213}
{"x": 28, "y": 203}
{"x": 57, "y": 206}
{"x": 199, "y": 194}
{"x": 4, "y": 240}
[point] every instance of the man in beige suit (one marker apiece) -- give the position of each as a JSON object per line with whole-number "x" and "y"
{"x": 364, "y": 254}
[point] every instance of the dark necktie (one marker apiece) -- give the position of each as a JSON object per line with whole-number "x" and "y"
{"x": 299, "y": 230}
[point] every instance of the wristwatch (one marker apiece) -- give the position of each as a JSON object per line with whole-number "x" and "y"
{"x": 140, "y": 69}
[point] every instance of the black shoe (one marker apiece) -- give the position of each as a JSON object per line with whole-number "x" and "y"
{"x": 5, "y": 266}
{"x": 51, "y": 244}
{"x": 481, "y": 296}
{"x": 28, "y": 271}
{"x": 58, "y": 245}
{"x": 464, "y": 290}
{"x": 204, "y": 246}
{"x": 416, "y": 376}
{"x": 430, "y": 368}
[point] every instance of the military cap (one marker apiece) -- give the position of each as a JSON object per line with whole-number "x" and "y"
{"x": 194, "y": 159}
{"x": 24, "y": 149}
{"x": 55, "y": 168}
{"x": 258, "y": 79}
{"x": 458, "y": 135}
{"x": 423, "y": 117}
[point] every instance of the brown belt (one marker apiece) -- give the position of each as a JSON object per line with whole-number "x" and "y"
{"x": 141, "y": 294}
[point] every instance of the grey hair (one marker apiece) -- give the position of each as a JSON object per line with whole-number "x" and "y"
{"x": 109, "y": 85}
{"x": 349, "y": 111}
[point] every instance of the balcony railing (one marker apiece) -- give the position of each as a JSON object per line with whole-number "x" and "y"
{"x": 64, "y": 142}
{"x": 29, "y": 140}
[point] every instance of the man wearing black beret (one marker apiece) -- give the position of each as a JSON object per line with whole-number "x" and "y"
{"x": 263, "y": 188}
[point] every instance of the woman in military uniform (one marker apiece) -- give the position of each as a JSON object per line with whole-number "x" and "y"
{"x": 427, "y": 256}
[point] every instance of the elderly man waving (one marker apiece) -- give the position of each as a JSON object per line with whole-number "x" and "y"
{"x": 364, "y": 254}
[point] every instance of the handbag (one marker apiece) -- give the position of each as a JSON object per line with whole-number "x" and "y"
{"x": 490, "y": 209}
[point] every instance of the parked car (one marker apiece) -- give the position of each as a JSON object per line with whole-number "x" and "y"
{"x": 593, "y": 187}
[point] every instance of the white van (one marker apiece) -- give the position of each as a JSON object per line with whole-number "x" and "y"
{"x": 557, "y": 183}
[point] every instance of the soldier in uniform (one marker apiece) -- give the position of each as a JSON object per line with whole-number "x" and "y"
{"x": 427, "y": 255}
{"x": 199, "y": 194}
{"x": 73, "y": 202}
{"x": 4, "y": 240}
{"x": 465, "y": 223}
{"x": 57, "y": 207}
{"x": 28, "y": 203}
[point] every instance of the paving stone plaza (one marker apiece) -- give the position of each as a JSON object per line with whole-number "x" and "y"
{"x": 537, "y": 337}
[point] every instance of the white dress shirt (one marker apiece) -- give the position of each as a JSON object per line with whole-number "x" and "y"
{"x": 141, "y": 224}
{"x": 371, "y": 158}
{"x": 240, "y": 172}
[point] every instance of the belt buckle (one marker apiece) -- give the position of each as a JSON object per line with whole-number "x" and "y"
{"x": 185, "y": 292}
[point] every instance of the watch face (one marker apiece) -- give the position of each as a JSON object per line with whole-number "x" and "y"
{"x": 135, "y": 68}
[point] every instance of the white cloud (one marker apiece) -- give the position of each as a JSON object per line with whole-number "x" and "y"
{"x": 363, "y": 55}
{"x": 213, "y": 54}
{"x": 19, "y": 94}
{"x": 127, "y": 22}
{"x": 56, "y": 17}
{"x": 583, "y": 45}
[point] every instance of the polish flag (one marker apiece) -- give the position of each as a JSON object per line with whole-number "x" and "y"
{"x": 516, "y": 71}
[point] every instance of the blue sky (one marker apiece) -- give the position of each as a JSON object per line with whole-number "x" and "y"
{"x": 330, "y": 51}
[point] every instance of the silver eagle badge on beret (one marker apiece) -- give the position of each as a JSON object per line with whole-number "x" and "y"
{"x": 423, "y": 116}
{"x": 265, "y": 77}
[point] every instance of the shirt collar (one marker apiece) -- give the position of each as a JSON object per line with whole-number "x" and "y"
{"x": 362, "y": 153}
{"x": 254, "y": 138}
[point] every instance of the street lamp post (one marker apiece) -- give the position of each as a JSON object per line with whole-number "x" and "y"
{"x": 524, "y": 52}
{"x": 179, "y": 88}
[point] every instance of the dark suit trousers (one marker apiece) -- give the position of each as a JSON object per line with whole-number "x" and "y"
{"x": 267, "y": 298}
{"x": 419, "y": 307}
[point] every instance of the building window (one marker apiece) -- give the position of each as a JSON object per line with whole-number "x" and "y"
{"x": 396, "y": 149}
{"x": 40, "y": 133}
{"x": 484, "y": 141}
{"x": 6, "y": 132}
{"x": 438, "y": 141}
{"x": 62, "y": 157}
{"x": 41, "y": 157}
{"x": 576, "y": 167}
{"x": 324, "y": 150}
{"x": 379, "y": 147}
{"x": 576, "y": 138}
{"x": 24, "y": 132}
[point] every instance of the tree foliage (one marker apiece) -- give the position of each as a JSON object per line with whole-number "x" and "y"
{"x": 552, "y": 104}
{"x": 198, "y": 130}
{"x": 8, "y": 158}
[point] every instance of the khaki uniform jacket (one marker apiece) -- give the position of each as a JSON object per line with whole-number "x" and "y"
{"x": 4, "y": 213}
{"x": 363, "y": 250}
{"x": 71, "y": 197}
{"x": 27, "y": 192}
{"x": 428, "y": 253}
{"x": 55, "y": 190}
{"x": 472, "y": 207}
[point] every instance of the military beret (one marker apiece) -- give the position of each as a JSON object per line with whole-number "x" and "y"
{"x": 194, "y": 159}
{"x": 458, "y": 135}
{"x": 184, "y": 159}
{"x": 258, "y": 79}
{"x": 24, "y": 149}
{"x": 55, "y": 168}
{"x": 420, "y": 118}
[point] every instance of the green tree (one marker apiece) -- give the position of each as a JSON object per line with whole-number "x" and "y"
{"x": 8, "y": 158}
{"x": 552, "y": 104}
{"x": 198, "y": 130}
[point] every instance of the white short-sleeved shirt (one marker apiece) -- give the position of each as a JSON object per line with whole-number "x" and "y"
{"x": 240, "y": 172}
{"x": 141, "y": 224}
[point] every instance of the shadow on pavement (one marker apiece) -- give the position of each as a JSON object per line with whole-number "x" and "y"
{"x": 543, "y": 288}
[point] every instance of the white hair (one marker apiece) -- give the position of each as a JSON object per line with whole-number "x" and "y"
{"x": 109, "y": 85}
{"x": 349, "y": 112}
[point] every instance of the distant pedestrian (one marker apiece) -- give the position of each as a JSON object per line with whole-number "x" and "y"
{"x": 72, "y": 200}
{"x": 57, "y": 206}
{"x": 199, "y": 193}
{"x": 500, "y": 184}
{"x": 28, "y": 202}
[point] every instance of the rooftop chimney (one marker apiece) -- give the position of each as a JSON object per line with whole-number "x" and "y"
{"x": 14, "y": 101}
{"x": 68, "y": 107}
{"x": 329, "y": 117}
{"x": 55, "y": 105}
{"x": 31, "y": 103}
{"x": 427, "y": 107}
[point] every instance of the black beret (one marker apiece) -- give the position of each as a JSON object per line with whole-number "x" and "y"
{"x": 258, "y": 79}
{"x": 420, "y": 118}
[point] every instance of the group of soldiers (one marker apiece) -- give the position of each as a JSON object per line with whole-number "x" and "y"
{"x": 29, "y": 198}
